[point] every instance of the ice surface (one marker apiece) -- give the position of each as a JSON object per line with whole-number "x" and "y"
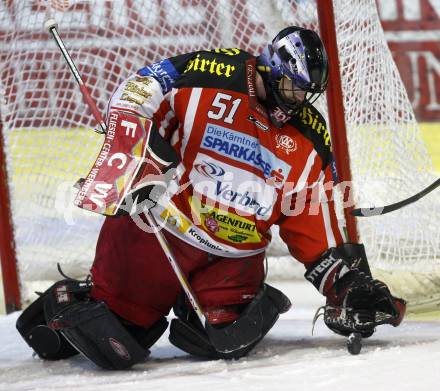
{"x": 289, "y": 358}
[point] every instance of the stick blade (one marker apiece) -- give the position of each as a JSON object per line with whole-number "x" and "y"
{"x": 367, "y": 212}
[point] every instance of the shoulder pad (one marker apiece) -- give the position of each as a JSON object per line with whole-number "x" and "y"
{"x": 218, "y": 68}
{"x": 310, "y": 122}
{"x": 233, "y": 52}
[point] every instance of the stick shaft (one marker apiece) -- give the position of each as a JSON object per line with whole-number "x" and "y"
{"x": 82, "y": 86}
{"x": 177, "y": 270}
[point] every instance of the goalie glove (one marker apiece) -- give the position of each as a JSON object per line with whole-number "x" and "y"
{"x": 356, "y": 302}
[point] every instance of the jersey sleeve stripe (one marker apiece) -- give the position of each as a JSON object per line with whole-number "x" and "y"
{"x": 339, "y": 222}
{"x": 190, "y": 116}
{"x": 165, "y": 122}
{"x": 331, "y": 240}
{"x": 302, "y": 181}
{"x": 171, "y": 96}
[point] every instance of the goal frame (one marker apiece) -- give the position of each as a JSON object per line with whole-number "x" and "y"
{"x": 10, "y": 272}
{"x": 11, "y": 285}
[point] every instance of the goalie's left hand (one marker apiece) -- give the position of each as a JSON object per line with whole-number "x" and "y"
{"x": 356, "y": 302}
{"x": 360, "y": 303}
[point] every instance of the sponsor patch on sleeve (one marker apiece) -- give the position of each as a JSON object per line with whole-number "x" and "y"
{"x": 163, "y": 71}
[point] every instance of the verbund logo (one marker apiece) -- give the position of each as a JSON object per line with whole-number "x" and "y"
{"x": 233, "y": 187}
{"x": 209, "y": 170}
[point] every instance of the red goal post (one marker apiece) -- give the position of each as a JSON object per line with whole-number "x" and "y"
{"x": 11, "y": 287}
{"x": 48, "y": 143}
{"x": 336, "y": 119}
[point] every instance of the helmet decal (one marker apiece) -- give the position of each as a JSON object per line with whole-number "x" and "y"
{"x": 297, "y": 62}
{"x": 294, "y": 62}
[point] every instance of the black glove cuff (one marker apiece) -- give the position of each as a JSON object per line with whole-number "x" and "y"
{"x": 324, "y": 270}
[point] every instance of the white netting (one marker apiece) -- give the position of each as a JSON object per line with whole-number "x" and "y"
{"x": 389, "y": 160}
{"x": 49, "y": 144}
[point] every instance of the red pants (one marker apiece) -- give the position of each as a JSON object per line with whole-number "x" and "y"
{"x": 133, "y": 276}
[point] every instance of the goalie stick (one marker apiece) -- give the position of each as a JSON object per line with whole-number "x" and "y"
{"x": 381, "y": 210}
{"x": 223, "y": 339}
{"x": 51, "y": 25}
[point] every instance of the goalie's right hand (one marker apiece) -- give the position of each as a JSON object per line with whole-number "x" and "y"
{"x": 145, "y": 194}
{"x": 133, "y": 169}
{"x": 356, "y": 302}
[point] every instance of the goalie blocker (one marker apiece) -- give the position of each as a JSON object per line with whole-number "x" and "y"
{"x": 133, "y": 168}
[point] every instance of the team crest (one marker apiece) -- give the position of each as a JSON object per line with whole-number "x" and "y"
{"x": 211, "y": 223}
{"x": 171, "y": 220}
{"x": 286, "y": 143}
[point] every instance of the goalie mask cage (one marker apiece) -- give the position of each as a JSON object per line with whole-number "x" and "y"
{"x": 48, "y": 143}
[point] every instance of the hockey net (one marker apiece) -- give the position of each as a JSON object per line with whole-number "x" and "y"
{"x": 49, "y": 142}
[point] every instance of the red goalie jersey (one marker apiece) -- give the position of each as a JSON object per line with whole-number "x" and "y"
{"x": 239, "y": 174}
